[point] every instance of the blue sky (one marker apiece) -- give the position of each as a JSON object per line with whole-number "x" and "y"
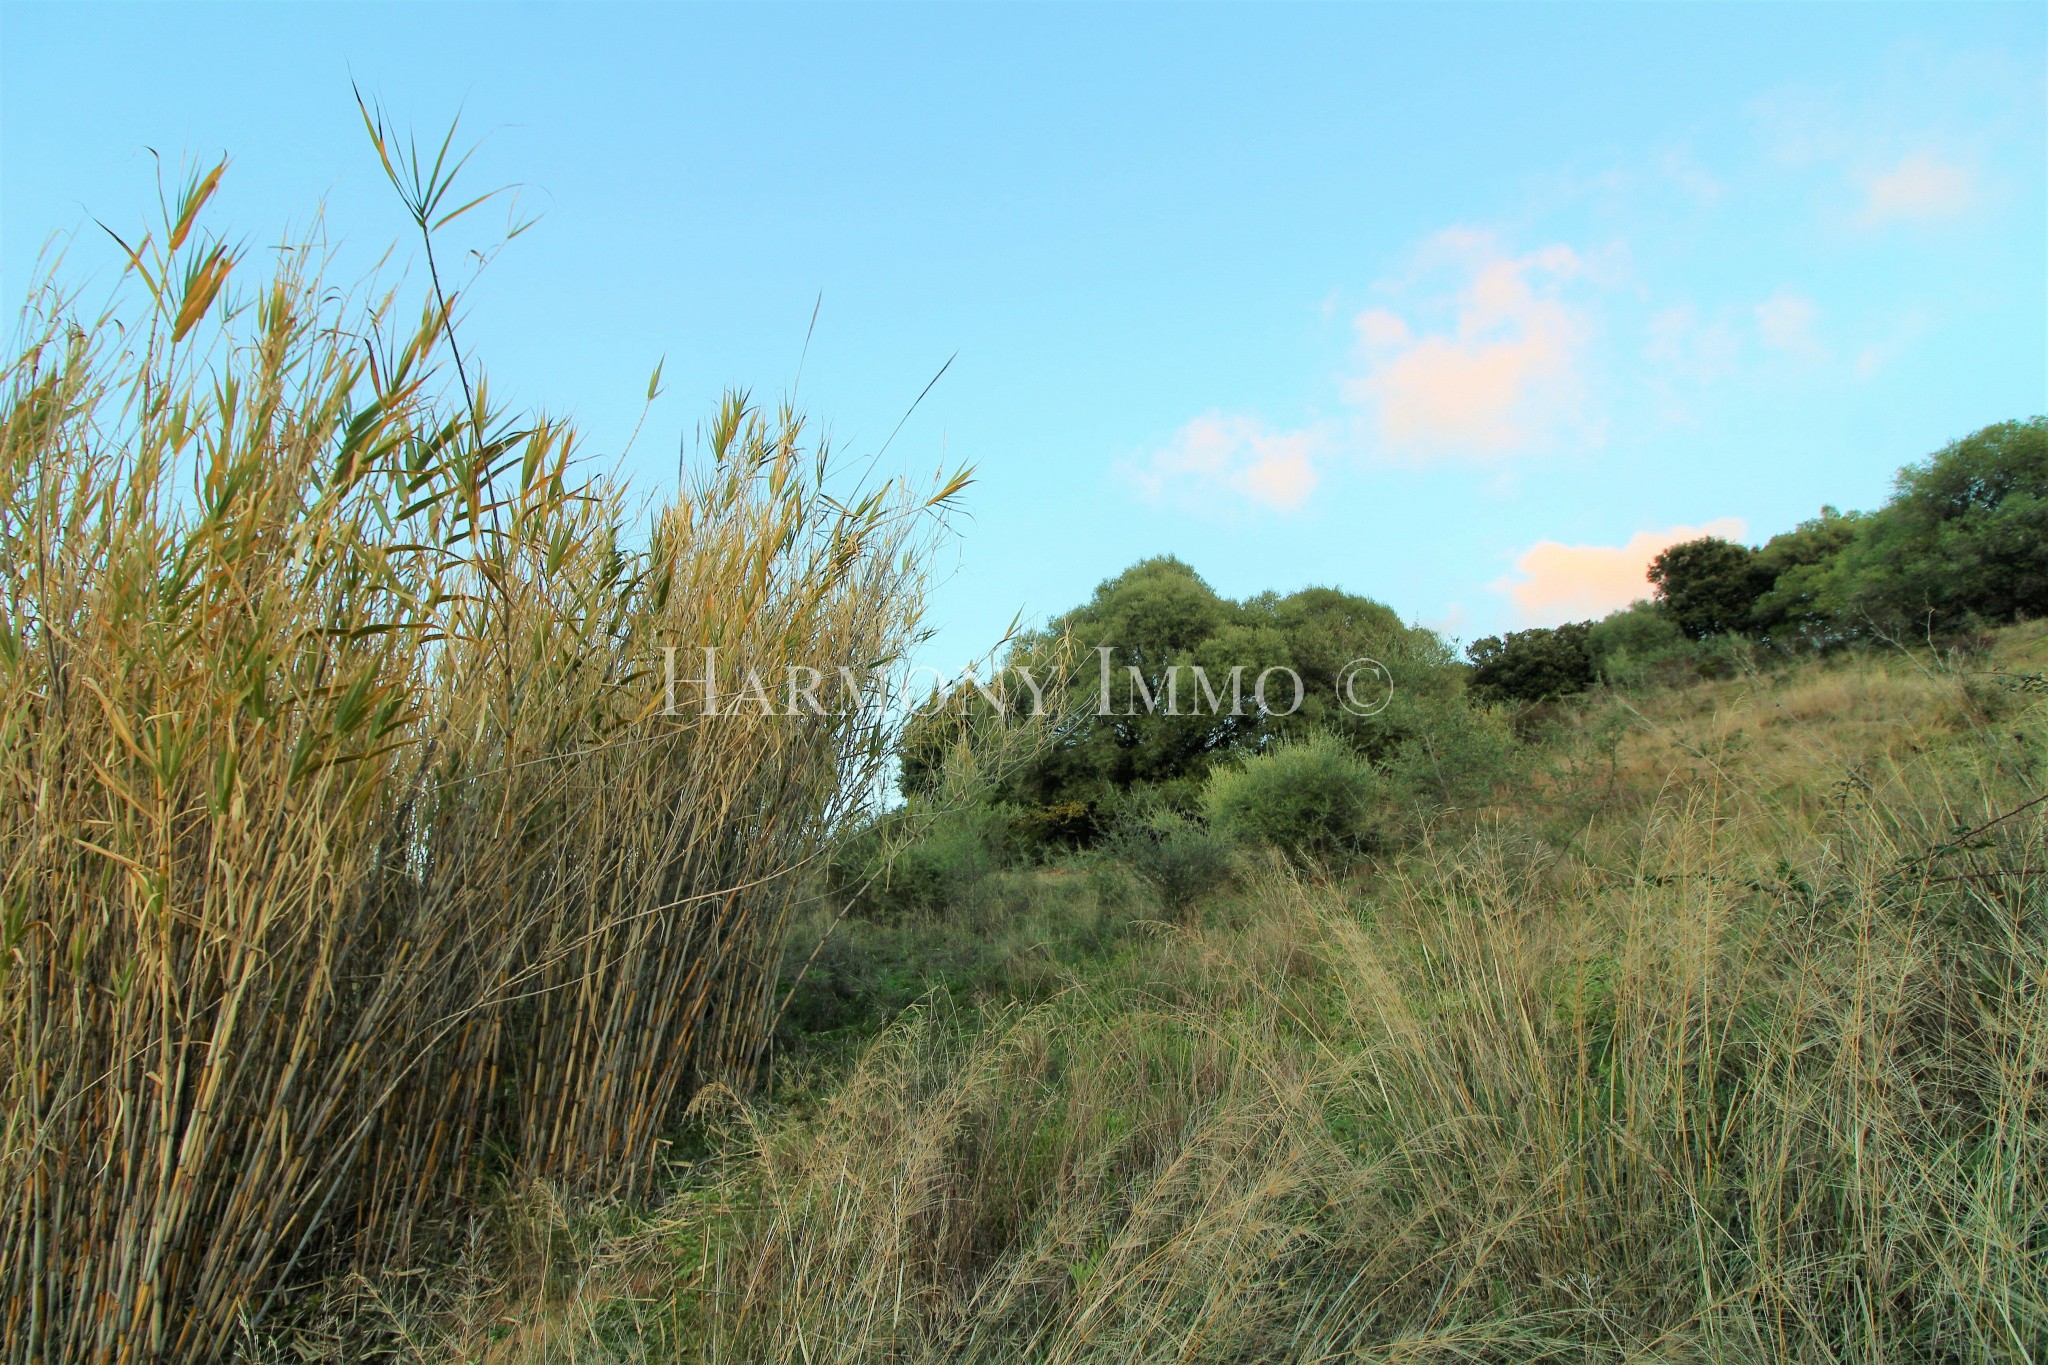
{"x": 1468, "y": 309}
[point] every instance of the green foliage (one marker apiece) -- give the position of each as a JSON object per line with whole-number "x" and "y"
{"x": 1179, "y": 691}
{"x": 1455, "y": 756}
{"x": 919, "y": 860}
{"x": 1063, "y": 824}
{"x": 1966, "y": 534}
{"x": 1324, "y": 631}
{"x": 1709, "y": 585}
{"x": 1533, "y": 665}
{"x": 1636, "y": 644}
{"x": 1965, "y": 537}
{"x": 1178, "y": 858}
{"x": 1312, "y": 798}
{"x": 1016, "y": 937}
{"x": 1792, "y": 613}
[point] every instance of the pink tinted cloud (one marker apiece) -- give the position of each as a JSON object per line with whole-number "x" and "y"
{"x": 1225, "y": 458}
{"x": 1500, "y": 380}
{"x": 1559, "y": 582}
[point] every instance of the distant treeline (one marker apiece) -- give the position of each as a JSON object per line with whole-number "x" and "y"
{"x": 1963, "y": 543}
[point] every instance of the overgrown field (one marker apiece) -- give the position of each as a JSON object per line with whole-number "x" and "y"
{"x": 389, "y": 969}
{"x": 1721, "y": 1034}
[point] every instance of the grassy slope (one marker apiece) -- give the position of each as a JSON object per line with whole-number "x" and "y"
{"x": 1711, "y": 1041}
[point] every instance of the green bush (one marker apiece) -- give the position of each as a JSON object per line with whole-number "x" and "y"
{"x": 919, "y": 861}
{"x": 1456, "y": 755}
{"x": 1059, "y": 825}
{"x": 1640, "y": 644}
{"x": 1314, "y": 799}
{"x": 1178, "y": 858}
{"x": 1018, "y": 937}
{"x": 1532, "y": 665}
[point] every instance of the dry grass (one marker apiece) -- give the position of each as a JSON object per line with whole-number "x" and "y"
{"x": 347, "y": 856}
{"x": 1695, "y": 1072}
{"x": 357, "y": 894}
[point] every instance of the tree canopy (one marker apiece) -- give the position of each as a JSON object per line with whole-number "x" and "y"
{"x": 1965, "y": 534}
{"x": 1964, "y": 538}
{"x": 1184, "y": 671}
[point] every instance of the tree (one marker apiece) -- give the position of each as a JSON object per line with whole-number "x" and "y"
{"x": 1162, "y": 622}
{"x": 1792, "y": 611}
{"x": 1532, "y": 665}
{"x": 1965, "y": 534}
{"x": 1709, "y": 586}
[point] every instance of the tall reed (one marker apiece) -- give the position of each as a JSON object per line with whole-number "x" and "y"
{"x": 350, "y": 844}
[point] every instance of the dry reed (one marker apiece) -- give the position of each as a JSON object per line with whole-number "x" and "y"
{"x": 349, "y": 852}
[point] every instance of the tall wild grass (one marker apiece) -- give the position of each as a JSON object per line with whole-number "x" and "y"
{"x": 1734, "y": 1049}
{"x": 349, "y": 852}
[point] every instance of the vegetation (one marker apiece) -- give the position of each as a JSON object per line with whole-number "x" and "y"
{"x": 1534, "y": 665}
{"x": 1965, "y": 536}
{"x": 1708, "y": 586}
{"x": 1191, "y": 683}
{"x": 1313, "y": 799}
{"x": 1962, "y": 544}
{"x": 392, "y": 971}
{"x": 1727, "y": 1043}
{"x": 1179, "y": 858}
{"x": 350, "y": 855}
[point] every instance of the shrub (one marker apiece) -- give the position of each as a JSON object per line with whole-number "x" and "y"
{"x": 1638, "y": 645}
{"x": 1062, "y": 824}
{"x": 917, "y": 861}
{"x": 963, "y": 848}
{"x": 1456, "y": 756}
{"x": 1313, "y": 799}
{"x": 1178, "y": 858}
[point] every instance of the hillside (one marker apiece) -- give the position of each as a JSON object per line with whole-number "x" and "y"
{"x": 1720, "y": 1033}
{"x": 399, "y": 963}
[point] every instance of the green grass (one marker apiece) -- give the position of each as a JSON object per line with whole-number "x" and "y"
{"x": 1724, "y": 1038}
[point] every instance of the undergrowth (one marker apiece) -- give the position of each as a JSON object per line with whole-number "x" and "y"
{"x": 1723, "y": 1036}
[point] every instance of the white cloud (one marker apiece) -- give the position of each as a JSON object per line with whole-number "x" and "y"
{"x": 1230, "y": 459}
{"x": 1690, "y": 348}
{"x": 1499, "y": 374}
{"x": 1918, "y": 188}
{"x": 1786, "y": 322}
{"x": 1559, "y": 582}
